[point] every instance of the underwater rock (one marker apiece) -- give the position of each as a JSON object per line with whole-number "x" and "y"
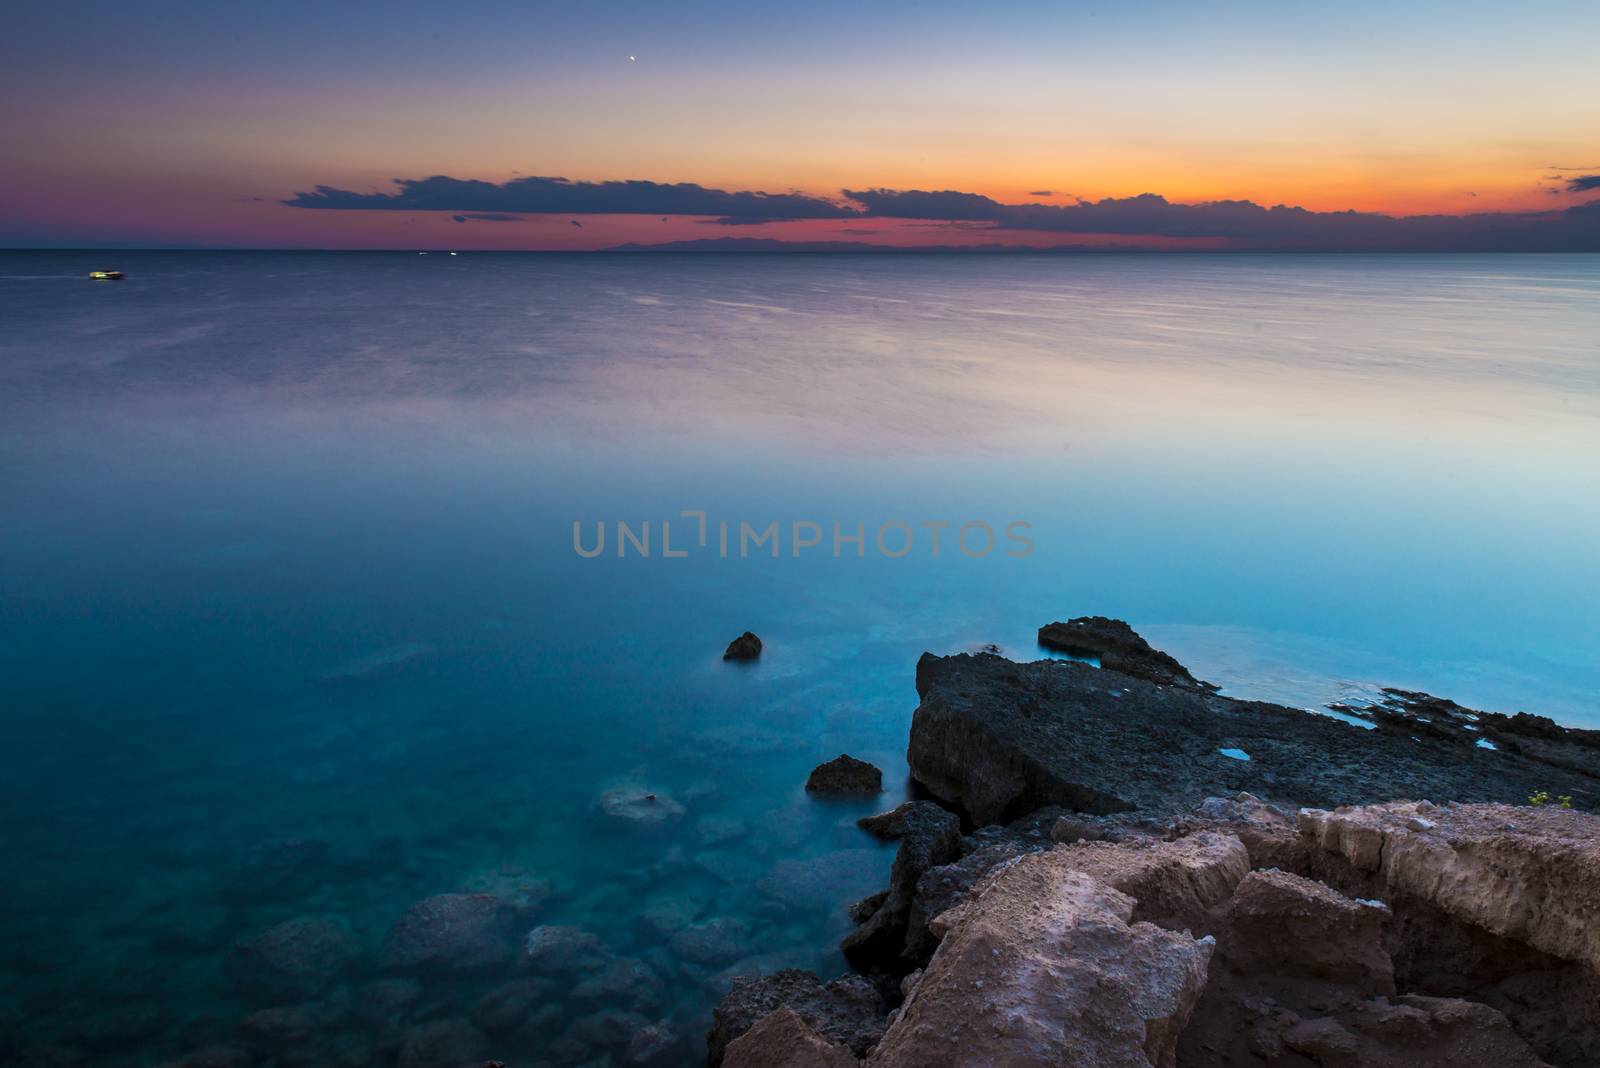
{"x": 782, "y": 1039}
{"x": 745, "y": 647}
{"x": 715, "y": 941}
{"x": 1119, "y": 648}
{"x": 654, "y": 1045}
{"x": 844, "y": 775}
{"x": 1000, "y": 739}
{"x": 450, "y": 1043}
{"x": 1045, "y": 966}
{"x": 848, "y": 1010}
{"x": 624, "y": 982}
{"x": 512, "y": 884}
{"x": 509, "y": 1005}
{"x": 454, "y": 932}
{"x": 295, "y": 958}
{"x": 822, "y": 882}
{"x": 639, "y": 806}
{"x": 560, "y": 949}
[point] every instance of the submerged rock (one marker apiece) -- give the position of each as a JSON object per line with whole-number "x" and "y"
{"x": 848, "y": 1010}
{"x": 844, "y": 774}
{"x": 1043, "y": 966}
{"x": 562, "y": 949}
{"x": 451, "y": 1043}
{"x": 296, "y": 958}
{"x": 745, "y": 647}
{"x": 640, "y": 806}
{"x": 454, "y": 932}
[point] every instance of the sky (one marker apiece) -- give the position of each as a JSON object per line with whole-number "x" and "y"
{"x": 504, "y": 125}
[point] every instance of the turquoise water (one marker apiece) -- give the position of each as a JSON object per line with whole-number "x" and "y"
{"x": 286, "y": 556}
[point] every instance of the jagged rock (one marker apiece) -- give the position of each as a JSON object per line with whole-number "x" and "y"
{"x": 1042, "y": 966}
{"x": 745, "y": 647}
{"x": 1119, "y": 648}
{"x": 1173, "y": 884}
{"x": 782, "y": 1039}
{"x": 1528, "y": 874}
{"x": 451, "y": 1043}
{"x": 1000, "y": 739}
{"x": 1282, "y": 924}
{"x": 843, "y": 775}
{"x": 945, "y": 886}
{"x": 1268, "y": 832}
{"x": 454, "y": 932}
{"x": 848, "y": 1010}
{"x": 562, "y": 949}
{"x": 929, "y": 836}
{"x": 296, "y": 958}
{"x": 640, "y": 806}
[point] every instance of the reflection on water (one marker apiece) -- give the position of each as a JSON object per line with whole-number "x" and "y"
{"x": 291, "y": 627}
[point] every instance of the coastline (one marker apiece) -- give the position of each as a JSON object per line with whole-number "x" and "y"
{"x": 1274, "y": 887}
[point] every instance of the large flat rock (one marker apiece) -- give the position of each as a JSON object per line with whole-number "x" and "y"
{"x": 1000, "y": 739}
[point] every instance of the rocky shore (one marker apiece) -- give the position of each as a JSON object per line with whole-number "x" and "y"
{"x": 1118, "y": 866}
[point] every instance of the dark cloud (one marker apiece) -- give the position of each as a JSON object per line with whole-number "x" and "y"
{"x": 1041, "y": 193}
{"x": 1246, "y": 225}
{"x": 486, "y": 216}
{"x": 560, "y": 196}
{"x": 1234, "y": 224}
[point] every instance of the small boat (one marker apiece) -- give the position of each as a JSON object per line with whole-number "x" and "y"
{"x": 105, "y": 276}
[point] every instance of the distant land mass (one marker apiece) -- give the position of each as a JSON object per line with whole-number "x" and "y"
{"x": 772, "y": 244}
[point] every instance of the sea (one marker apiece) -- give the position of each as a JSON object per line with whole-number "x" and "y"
{"x": 333, "y": 582}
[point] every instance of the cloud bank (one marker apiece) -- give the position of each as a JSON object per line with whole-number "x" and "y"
{"x": 1237, "y": 224}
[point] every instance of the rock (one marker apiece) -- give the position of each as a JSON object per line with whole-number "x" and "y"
{"x": 782, "y": 1039}
{"x": 624, "y": 982}
{"x": 1000, "y": 739}
{"x": 929, "y": 836}
{"x": 509, "y": 1005}
{"x": 1533, "y": 884}
{"x": 651, "y": 1045}
{"x": 296, "y": 958}
{"x": 1042, "y": 966}
{"x": 608, "y": 1028}
{"x": 454, "y": 932}
{"x": 561, "y": 949}
{"x": 1119, "y": 648}
{"x": 848, "y": 1010}
{"x": 515, "y": 886}
{"x": 1282, "y": 924}
{"x": 845, "y": 775}
{"x": 640, "y": 807}
{"x": 1173, "y": 884}
{"x": 716, "y": 941}
{"x": 825, "y": 881}
{"x": 745, "y": 647}
{"x": 450, "y": 1043}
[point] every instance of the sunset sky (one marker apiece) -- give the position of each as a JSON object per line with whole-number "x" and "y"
{"x": 207, "y": 124}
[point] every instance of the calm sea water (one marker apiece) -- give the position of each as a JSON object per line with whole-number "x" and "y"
{"x": 291, "y": 621}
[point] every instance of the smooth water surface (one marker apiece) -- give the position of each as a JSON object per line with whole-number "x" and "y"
{"x": 291, "y": 622}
